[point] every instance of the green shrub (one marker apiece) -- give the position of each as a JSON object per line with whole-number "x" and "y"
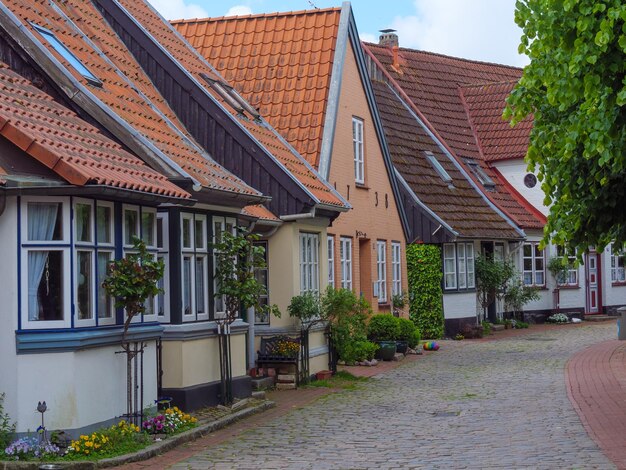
{"x": 383, "y": 327}
{"x": 406, "y": 329}
{"x": 305, "y": 307}
{"x": 520, "y": 324}
{"x": 415, "y": 338}
{"x": 425, "y": 295}
{"x": 486, "y": 328}
{"x": 357, "y": 351}
{"x": 7, "y": 429}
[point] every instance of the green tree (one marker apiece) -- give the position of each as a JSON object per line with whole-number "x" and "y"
{"x": 575, "y": 90}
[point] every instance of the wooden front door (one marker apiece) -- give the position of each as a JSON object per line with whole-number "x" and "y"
{"x": 592, "y": 278}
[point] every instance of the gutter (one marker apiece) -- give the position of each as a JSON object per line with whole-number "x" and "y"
{"x": 306, "y": 215}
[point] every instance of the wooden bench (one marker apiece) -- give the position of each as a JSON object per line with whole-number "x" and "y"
{"x": 272, "y": 352}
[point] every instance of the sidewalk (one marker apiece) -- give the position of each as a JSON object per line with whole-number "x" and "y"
{"x": 596, "y": 386}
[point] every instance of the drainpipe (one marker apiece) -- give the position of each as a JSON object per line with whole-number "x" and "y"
{"x": 251, "y": 350}
{"x": 306, "y": 215}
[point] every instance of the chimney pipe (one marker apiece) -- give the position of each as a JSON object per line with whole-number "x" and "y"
{"x": 396, "y": 62}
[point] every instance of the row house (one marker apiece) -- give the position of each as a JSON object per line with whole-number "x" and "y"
{"x": 113, "y": 127}
{"x": 461, "y": 102}
{"x": 305, "y": 72}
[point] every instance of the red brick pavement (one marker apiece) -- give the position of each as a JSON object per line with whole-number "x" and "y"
{"x": 596, "y": 386}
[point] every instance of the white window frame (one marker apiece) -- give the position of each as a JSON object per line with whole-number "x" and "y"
{"x": 571, "y": 279}
{"x": 449, "y": 254}
{"x": 396, "y": 268}
{"x": 618, "y": 274}
{"x": 84, "y": 246}
{"x": 534, "y": 258}
{"x": 381, "y": 271}
{"x": 62, "y": 245}
{"x": 196, "y": 252}
{"x": 163, "y": 253}
{"x": 330, "y": 245}
{"x": 469, "y": 261}
{"x": 345, "y": 258}
{"x": 309, "y": 262}
{"x": 358, "y": 151}
{"x": 265, "y": 245}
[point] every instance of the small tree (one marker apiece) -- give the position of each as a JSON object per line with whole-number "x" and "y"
{"x": 133, "y": 280}
{"x": 492, "y": 280}
{"x": 236, "y": 259}
{"x": 517, "y": 295}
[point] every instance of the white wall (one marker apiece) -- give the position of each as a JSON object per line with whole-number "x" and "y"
{"x": 8, "y": 306}
{"x": 514, "y": 171}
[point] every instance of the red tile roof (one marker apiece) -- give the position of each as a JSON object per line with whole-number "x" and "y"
{"x": 267, "y": 136}
{"x": 260, "y": 212}
{"x": 432, "y": 83}
{"x": 495, "y": 137}
{"x": 281, "y": 63}
{"x": 457, "y": 203}
{"x": 74, "y": 149}
{"x": 126, "y": 90}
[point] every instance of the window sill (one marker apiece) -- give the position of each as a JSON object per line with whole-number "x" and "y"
{"x": 67, "y": 340}
{"x": 459, "y": 291}
{"x": 568, "y": 287}
{"x": 618, "y": 284}
{"x": 384, "y": 305}
{"x": 361, "y": 186}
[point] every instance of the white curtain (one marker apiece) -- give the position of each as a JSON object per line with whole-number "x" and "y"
{"x": 41, "y": 221}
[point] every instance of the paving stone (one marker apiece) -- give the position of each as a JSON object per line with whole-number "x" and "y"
{"x": 480, "y": 404}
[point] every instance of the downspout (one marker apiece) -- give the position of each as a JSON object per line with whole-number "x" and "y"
{"x": 3, "y": 201}
{"x": 306, "y": 215}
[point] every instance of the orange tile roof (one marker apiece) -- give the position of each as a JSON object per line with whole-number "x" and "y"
{"x": 432, "y": 84}
{"x": 260, "y": 212}
{"x": 74, "y": 149}
{"x": 496, "y": 139}
{"x": 281, "y": 63}
{"x": 126, "y": 89}
{"x": 181, "y": 50}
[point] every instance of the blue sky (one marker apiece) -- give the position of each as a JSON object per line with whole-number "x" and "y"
{"x": 474, "y": 29}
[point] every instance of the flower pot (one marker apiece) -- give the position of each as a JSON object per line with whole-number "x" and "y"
{"x": 386, "y": 351}
{"x": 402, "y": 346}
{"x": 323, "y": 375}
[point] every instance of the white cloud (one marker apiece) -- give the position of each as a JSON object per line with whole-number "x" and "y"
{"x": 477, "y": 29}
{"x": 239, "y": 10}
{"x": 367, "y": 37}
{"x": 178, "y": 9}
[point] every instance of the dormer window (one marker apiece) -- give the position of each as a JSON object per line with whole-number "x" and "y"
{"x": 231, "y": 96}
{"x": 64, "y": 52}
{"x": 480, "y": 175}
{"x": 443, "y": 174}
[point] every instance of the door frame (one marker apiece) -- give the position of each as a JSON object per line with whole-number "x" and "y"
{"x": 598, "y": 258}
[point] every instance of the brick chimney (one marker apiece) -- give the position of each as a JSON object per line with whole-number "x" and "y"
{"x": 388, "y": 38}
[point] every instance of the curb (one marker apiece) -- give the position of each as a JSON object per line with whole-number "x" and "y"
{"x": 153, "y": 449}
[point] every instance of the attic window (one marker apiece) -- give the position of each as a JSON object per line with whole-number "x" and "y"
{"x": 231, "y": 96}
{"x": 438, "y": 168}
{"x": 480, "y": 174}
{"x": 64, "y": 52}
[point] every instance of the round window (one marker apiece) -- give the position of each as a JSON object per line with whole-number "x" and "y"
{"x": 530, "y": 180}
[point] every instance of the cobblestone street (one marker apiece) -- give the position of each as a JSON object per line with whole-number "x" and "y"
{"x": 473, "y": 404}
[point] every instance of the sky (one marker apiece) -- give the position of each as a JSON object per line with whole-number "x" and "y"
{"x": 473, "y": 29}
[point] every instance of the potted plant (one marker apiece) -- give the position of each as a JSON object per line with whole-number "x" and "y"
{"x": 383, "y": 329}
{"x": 405, "y": 332}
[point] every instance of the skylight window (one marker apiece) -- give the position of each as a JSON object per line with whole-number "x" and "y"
{"x": 480, "y": 174}
{"x": 438, "y": 168}
{"x": 230, "y": 95}
{"x": 67, "y": 54}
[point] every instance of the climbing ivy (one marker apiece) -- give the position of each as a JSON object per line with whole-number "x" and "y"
{"x": 426, "y": 304}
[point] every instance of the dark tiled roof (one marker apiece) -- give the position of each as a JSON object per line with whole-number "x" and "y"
{"x": 74, "y": 149}
{"x": 458, "y": 204}
{"x": 497, "y": 140}
{"x": 267, "y": 136}
{"x": 126, "y": 90}
{"x": 281, "y": 62}
{"x": 432, "y": 82}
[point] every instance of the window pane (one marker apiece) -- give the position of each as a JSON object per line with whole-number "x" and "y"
{"x": 45, "y": 221}
{"x": 131, "y": 218}
{"x": 104, "y": 221}
{"x": 105, "y": 302}
{"x": 45, "y": 285}
{"x": 187, "y": 285}
{"x": 200, "y": 284}
{"x": 159, "y": 230}
{"x": 147, "y": 227}
{"x": 161, "y": 285}
{"x": 187, "y": 233}
{"x": 84, "y": 299}
{"x": 528, "y": 278}
{"x": 539, "y": 278}
{"x": 528, "y": 250}
{"x": 199, "y": 234}
{"x": 82, "y": 213}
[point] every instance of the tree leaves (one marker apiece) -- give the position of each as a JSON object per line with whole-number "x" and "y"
{"x": 575, "y": 89}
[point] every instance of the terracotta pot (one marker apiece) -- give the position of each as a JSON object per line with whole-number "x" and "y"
{"x": 323, "y": 375}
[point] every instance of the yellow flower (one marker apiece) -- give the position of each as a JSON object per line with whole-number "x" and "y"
{"x": 86, "y": 452}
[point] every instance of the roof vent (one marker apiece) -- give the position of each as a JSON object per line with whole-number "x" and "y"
{"x": 389, "y": 38}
